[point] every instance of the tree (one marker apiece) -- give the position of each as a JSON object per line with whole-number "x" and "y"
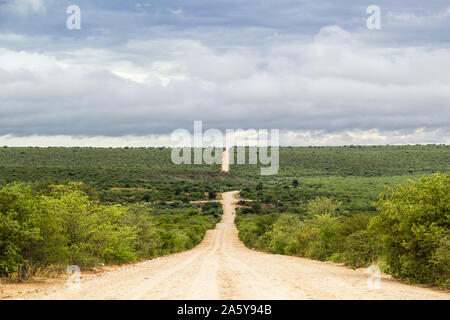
{"x": 29, "y": 237}
{"x": 212, "y": 195}
{"x": 414, "y": 229}
{"x": 361, "y": 249}
{"x": 323, "y": 206}
{"x": 18, "y": 226}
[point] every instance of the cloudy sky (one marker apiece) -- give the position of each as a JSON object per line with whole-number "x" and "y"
{"x": 138, "y": 70}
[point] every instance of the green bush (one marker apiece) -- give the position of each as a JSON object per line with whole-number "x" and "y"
{"x": 441, "y": 258}
{"x": 61, "y": 225}
{"x": 282, "y": 235}
{"x": 323, "y": 206}
{"x": 94, "y": 232}
{"x": 413, "y": 227}
{"x": 362, "y": 248}
{"x": 148, "y": 241}
{"x": 29, "y": 238}
{"x": 327, "y": 237}
{"x": 253, "y": 228}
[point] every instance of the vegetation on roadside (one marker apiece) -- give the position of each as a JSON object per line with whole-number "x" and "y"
{"x": 62, "y": 226}
{"x": 414, "y": 230}
{"x": 410, "y": 236}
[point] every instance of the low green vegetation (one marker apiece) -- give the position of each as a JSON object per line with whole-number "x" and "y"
{"x": 119, "y": 175}
{"x": 414, "y": 230}
{"x": 147, "y": 174}
{"x": 410, "y": 237}
{"x": 62, "y": 226}
{"x": 360, "y": 161}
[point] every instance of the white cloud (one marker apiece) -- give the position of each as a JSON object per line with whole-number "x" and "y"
{"x": 287, "y": 138}
{"x": 25, "y": 7}
{"x": 176, "y": 12}
{"x": 444, "y": 14}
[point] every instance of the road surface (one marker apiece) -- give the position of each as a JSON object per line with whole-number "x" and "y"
{"x": 225, "y": 161}
{"x": 221, "y": 267}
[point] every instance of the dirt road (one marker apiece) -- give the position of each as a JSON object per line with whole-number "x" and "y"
{"x": 225, "y": 161}
{"x": 221, "y": 267}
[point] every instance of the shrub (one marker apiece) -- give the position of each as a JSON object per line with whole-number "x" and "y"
{"x": 323, "y": 206}
{"x": 61, "y": 225}
{"x": 326, "y": 234}
{"x": 413, "y": 228}
{"x": 93, "y": 232}
{"x": 28, "y": 237}
{"x": 361, "y": 249}
{"x": 282, "y": 235}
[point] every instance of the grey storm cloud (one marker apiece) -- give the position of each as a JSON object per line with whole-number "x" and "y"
{"x": 297, "y": 66}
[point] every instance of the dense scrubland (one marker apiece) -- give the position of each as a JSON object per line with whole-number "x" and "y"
{"x": 148, "y": 173}
{"x": 325, "y": 203}
{"x": 63, "y": 226}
